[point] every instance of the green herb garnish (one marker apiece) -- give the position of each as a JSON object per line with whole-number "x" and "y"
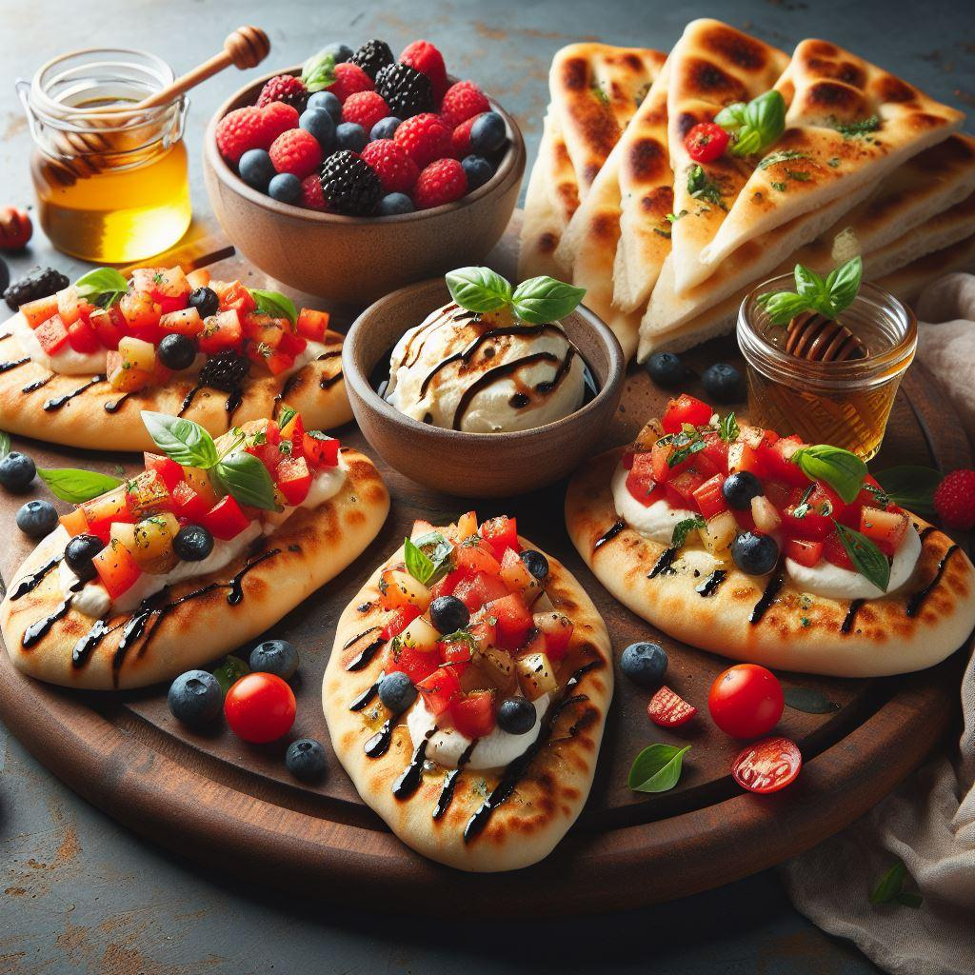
{"x": 782, "y": 157}
{"x": 275, "y": 304}
{"x": 428, "y": 558}
{"x": 860, "y": 128}
{"x": 657, "y": 768}
{"x": 4, "y": 444}
{"x": 672, "y": 218}
{"x": 867, "y": 558}
{"x": 76, "y": 484}
{"x": 909, "y": 486}
{"x": 754, "y": 125}
{"x": 828, "y": 296}
{"x": 891, "y": 888}
{"x": 536, "y": 300}
{"x": 229, "y": 671}
{"x": 683, "y": 528}
{"x": 729, "y": 429}
{"x": 809, "y": 700}
{"x": 102, "y": 286}
{"x": 843, "y": 470}
{"x": 702, "y": 188}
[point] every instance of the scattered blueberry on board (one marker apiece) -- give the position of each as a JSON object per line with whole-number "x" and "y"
{"x": 276, "y": 656}
{"x": 645, "y": 663}
{"x": 195, "y": 698}
{"x": 306, "y": 760}
{"x": 666, "y": 369}
{"x": 397, "y": 692}
{"x": 516, "y": 715}
{"x": 17, "y": 471}
{"x": 723, "y": 383}
{"x": 37, "y": 518}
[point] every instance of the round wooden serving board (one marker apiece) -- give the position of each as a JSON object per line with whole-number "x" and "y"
{"x": 234, "y": 806}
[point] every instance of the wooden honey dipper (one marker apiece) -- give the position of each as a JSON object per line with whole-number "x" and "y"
{"x": 815, "y": 337}
{"x": 244, "y": 48}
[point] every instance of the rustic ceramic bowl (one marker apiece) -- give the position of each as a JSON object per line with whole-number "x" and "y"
{"x": 354, "y": 260}
{"x": 475, "y": 465}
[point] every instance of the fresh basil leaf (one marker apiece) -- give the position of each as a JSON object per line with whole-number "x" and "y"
{"x": 102, "y": 286}
{"x": 430, "y": 556}
{"x": 4, "y": 444}
{"x": 842, "y": 470}
{"x": 889, "y": 885}
{"x": 319, "y": 72}
{"x": 247, "y": 479}
{"x": 229, "y": 671}
{"x": 682, "y": 453}
{"x": 478, "y": 289}
{"x": 285, "y": 415}
{"x": 808, "y": 283}
{"x": 782, "y": 157}
{"x": 544, "y": 299}
{"x": 683, "y": 528}
{"x": 702, "y": 188}
{"x": 781, "y": 307}
{"x": 843, "y": 283}
{"x": 75, "y": 484}
{"x": 186, "y": 442}
{"x": 756, "y": 124}
{"x": 729, "y": 429}
{"x": 657, "y": 768}
{"x": 275, "y": 304}
{"x": 809, "y": 700}
{"x": 731, "y": 117}
{"x": 911, "y": 486}
{"x": 868, "y": 559}
{"x": 419, "y": 564}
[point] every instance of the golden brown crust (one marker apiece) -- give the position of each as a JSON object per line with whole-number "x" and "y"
{"x": 309, "y": 549}
{"x": 547, "y": 798}
{"x": 317, "y": 390}
{"x": 799, "y": 632}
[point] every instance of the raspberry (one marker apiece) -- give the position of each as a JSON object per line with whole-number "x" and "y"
{"x": 297, "y": 152}
{"x": 350, "y": 79}
{"x": 440, "y": 183}
{"x": 284, "y": 88}
{"x": 424, "y": 57}
{"x": 954, "y": 499}
{"x": 461, "y": 101}
{"x": 277, "y": 118}
{"x": 240, "y": 131}
{"x": 365, "y": 109}
{"x": 390, "y": 162}
{"x": 312, "y": 193}
{"x": 425, "y": 138}
{"x": 461, "y": 138}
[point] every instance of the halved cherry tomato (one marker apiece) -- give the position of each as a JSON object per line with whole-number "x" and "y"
{"x": 767, "y": 765}
{"x": 706, "y": 142}
{"x": 685, "y": 410}
{"x": 260, "y": 707}
{"x": 669, "y": 709}
{"x": 474, "y": 715}
{"x": 746, "y": 701}
{"x": 398, "y": 620}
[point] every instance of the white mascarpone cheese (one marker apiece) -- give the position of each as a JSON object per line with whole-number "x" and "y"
{"x": 65, "y": 360}
{"x": 445, "y": 746}
{"x": 827, "y": 580}
{"x": 656, "y": 521}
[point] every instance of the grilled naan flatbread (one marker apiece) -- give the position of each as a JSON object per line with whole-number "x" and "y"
{"x": 849, "y": 123}
{"x": 906, "y": 283}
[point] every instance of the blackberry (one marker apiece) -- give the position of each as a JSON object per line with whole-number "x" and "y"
{"x": 38, "y": 283}
{"x": 373, "y": 56}
{"x": 405, "y": 90}
{"x": 224, "y": 371}
{"x": 349, "y": 185}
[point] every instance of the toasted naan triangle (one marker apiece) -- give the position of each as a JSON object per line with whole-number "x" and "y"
{"x": 906, "y": 283}
{"x": 849, "y": 123}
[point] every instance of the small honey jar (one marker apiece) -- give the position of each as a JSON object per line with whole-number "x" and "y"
{"x": 843, "y": 398}
{"x": 111, "y": 181}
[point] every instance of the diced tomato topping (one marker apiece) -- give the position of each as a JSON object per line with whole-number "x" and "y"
{"x": 106, "y": 509}
{"x": 885, "y": 529}
{"x": 685, "y": 410}
{"x": 294, "y": 479}
{"x": 75, "y": 522}
{"x": 474, "y": 715}
{"x": 776, "y": 461}
{"x": 320, "y": 450}
{"x": 439, "y": 690}
{"x": 807, "y": 552}
{"x": 186, "y": 322}
{"x": 39, "y": 310}
{"x": 680, "y": 491}
{"x": 713, "y": 459}
{"x": 446, "y": 585}
{"x": 235, "y": 296}
{"x": 116, "y": 568}
{"x": 226, "y": 519}
{"x": 221, "y": 331}
{"x": 141, "y": 314}
{"x": 294, "y": 431}
{"x": 456, "y": 654}
{"x": 198, "y": 278}
{"x": 398, "y": 620}
{"x": 501, "y": 534}
{"x": 556, "y": 629}
{"x": 147, "y": 494}
{"x": 483, "y": 632}
{"x": 475, "y": 592}
{"x": 642, "y": 482}
{"x": 52, "y": 335}
{"x": 169, "y": 470}
{"x": 835, "y": 552}
{"x": 262, "y": 328}
{"x": 742, "y": 457}
{"x": 312, "y": 324}
{"x": 187, "y": 504}
{"x": 810, "y": 514}
{"x": 512, "y": 620}
{"x": 709, "y": 496}
{"x": 82, "y": 337}
{"x": 476, "y": 556}
{"x": 107, "y": 327}
{"x": 669, "y": 709}
{"x": 292, "y": 344}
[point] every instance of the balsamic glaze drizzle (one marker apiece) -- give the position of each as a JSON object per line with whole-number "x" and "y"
{"x": 111, "y": 406}
{"x": 916, "y": 600}
{"x": 13, "y": 364}
{"x": 450, "y": 779}
{"x": 56, "y": 403}
{"x": 664, "y": 564}
{"x": 366, "y": 697}
{"x": 774, "y": 584}
{"x": 379, "y": 742}
{"x": 37, "y": 384}
{"x": 33, "y": 580}
{"x": 853, "y": 608}
{"x": 38, "y": 629}
{"x": 609, "y": 535}
{"x": 367, "y": 654}
{"x": 407, "y": 783}
{"x": 711, "y": 584}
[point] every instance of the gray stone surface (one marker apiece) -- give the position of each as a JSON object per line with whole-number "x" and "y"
{"x": 81, "y": 894}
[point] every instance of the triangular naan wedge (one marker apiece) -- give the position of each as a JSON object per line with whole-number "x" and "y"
{"x": 711, "y": 67}
{"x": 849, "y": 123}
{"x": 906, "y": 283}
{"x": 923, "y": 186}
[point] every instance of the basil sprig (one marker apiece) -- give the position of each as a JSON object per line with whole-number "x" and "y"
{"x": 319, "y": 72}
{"x": 428, "y": 558}
{"x": 247, "y": 479}
{"x": 911, "y": 486}
{"x": 682, "y": 529}
{"x": 754, "y": 125}
{"x": 75, "y": 484}
{"x": 102, "y": 286}
{"x": 829, "y": 296}
{"x": 275, "y": 304}
{"x": 657, "y": 768}
{"x": 729, "y": 429}
{"x": 867, "y": 558}
{"x": 844, "y": 471}
{"x": 536, "y": 300}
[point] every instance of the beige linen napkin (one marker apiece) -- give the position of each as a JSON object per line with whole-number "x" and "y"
{"x": 928, "y": 821}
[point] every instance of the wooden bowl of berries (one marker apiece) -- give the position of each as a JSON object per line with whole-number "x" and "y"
{"x": 355, "y": 174}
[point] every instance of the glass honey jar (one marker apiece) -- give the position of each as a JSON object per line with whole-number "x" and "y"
{"x": 840, "y": 402}
{"x": 111, "y": 181}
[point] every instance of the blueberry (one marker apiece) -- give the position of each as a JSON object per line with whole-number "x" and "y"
{"x": 257, "y": 169}
{"x": 645, "y": 664}
{"x": 535, "y": 563}
{"x": 322, "y": 125}
{"x": 385, "y": 128}
{"x": 17, "y": 471}
{"x": 395, "y": 203}
{"x": 666, "y": 369}
{"x": 488, "y": 133}
{"x": 740, "y": 488}
{"x": 195, "y": 697}
{"x": 276, "y": 656}
{"x": 37, "y": 518}
{"x": 329, "y": 102}
{"x": 193, "y": 543}
{"x": 285, "y": 187}
{"x": 516, "y": 715}
{"x": 397, "y": 692}
{"x": 339, "y": 52}
{"x": 478, "y": 170}
{"x": 79, "y": 552}
{"x": 722, "y": 382}
{"x": 754, "y": 553}
{"x": 351, "y": 136}
{"x": 306, "y": 760}
{"x": 448, "y": 614}
{"x": 176, "y": 351}
{"x": 205, "y": 301}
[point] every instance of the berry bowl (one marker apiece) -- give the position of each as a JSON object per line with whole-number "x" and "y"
{"x": 457, "y": 462}
{"x": 350, "y": 260}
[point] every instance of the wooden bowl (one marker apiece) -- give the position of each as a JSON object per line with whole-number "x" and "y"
{"x": 475, "y": 465}
{"x": 355, "y": 260}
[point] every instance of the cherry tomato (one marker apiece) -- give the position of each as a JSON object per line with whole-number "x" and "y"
{"x": 260, "y": 707}
{"x": 706, "y": 142}
{"x": 746, "y": 701}
{"x": 669, "y": 709}
{"x": 767, "y": 765}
